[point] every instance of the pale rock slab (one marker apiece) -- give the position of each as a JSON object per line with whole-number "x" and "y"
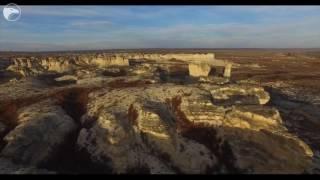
{"x": 42, "y": 127}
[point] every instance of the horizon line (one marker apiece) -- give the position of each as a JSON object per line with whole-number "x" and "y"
{"x": 132, "y": 49}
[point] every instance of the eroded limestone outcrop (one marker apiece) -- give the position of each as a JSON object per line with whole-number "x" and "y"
{"x": 144, "y": 118}
{"x": 41, "y": 128}
{"x": 198, "y": 70}
{"x": 183, "y": 131}
{"x": 199, "y": 64}
{"x": 131, "y": 135}
{"x": 31, "y": 66}
{"x": 239, "y": 94}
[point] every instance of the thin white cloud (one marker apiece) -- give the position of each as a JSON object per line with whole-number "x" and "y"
{"x": 90, "y": 23}
{"x": 132, "y": 12}
{"x": 60, "y": 11}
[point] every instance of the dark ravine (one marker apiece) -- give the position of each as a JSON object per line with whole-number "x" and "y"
{"x": 221, "y": 149}
{"x": 289, "y": 111}
{"x": 304, "y": 128}
{"x": 8, "y": 116}
{"x": 206, "y": 136}
{"x": 69, "y": 159}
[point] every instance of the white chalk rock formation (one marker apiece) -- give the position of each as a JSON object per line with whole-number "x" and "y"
{"x": 198, "y": 70}
{"x": 239, "y": 94}
{"x": 42, "y": 128}
{"x": 178, "y": 129}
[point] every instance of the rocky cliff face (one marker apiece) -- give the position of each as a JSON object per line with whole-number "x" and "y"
{"x": 35, "y": 66}
{"x": 171, "y": 56}
{"x": 198, "y": 70}
{"x": 31, "y": 66}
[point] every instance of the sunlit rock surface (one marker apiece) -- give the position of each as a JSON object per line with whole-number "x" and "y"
{"x": 240, "y": 94}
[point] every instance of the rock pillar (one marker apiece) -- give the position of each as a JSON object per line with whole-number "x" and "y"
{"x": 227, "y": 70}
{"x": 197, "y": 70}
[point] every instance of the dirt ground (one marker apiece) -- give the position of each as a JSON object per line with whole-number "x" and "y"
{"x": 296, "y": 67}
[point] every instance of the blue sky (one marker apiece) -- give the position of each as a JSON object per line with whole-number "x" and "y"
{"x": 43, "y": 28}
